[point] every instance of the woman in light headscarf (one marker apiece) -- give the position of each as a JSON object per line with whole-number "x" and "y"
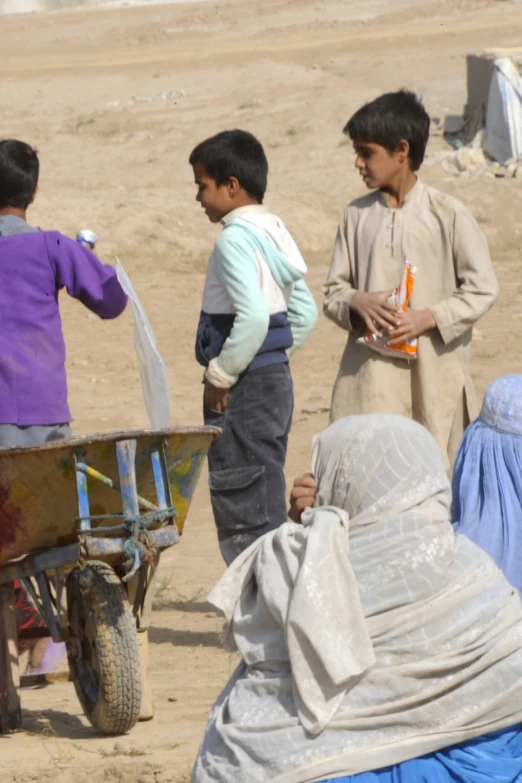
{"x": 372, "y": 638}
{"x": 487, "y": 482}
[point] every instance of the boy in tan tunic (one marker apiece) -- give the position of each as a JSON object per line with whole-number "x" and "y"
{"x": 403, "y": 219}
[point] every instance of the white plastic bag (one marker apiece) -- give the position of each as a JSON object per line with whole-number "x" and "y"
{"x": 152, "y": 367}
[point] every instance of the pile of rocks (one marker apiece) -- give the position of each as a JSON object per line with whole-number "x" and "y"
{"x": 472, "y": 161}
{"x": 467, "y": 159}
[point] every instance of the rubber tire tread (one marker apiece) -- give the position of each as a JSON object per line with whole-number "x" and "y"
{"x": 115, "y": 636}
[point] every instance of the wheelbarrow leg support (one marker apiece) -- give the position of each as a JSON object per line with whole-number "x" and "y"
{"x": 126, "y": 454}
{"x": 135, "y": 591}
{"x": 10, "y": 707}
{"x": 141, "y": 587}
{"x": 164, "y": 500}
{"x": 147, "y": 707}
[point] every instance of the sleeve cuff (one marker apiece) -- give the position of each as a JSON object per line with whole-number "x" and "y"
{"x": 445, "y": 327}
{"x": 218, "y": 377}
{"x": 347, "y": 314}
{"x": 341, "y": 311}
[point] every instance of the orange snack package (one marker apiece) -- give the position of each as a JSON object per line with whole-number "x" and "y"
{"x": 401, "y": 298}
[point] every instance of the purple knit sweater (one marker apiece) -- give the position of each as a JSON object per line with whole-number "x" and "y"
{"x": 34, "y": 266}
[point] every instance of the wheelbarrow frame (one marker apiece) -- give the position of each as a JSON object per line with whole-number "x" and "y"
{"x": 44, "y": 573}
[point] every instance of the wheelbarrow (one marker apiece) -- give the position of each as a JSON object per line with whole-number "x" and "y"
{"x": 82, "y": 525}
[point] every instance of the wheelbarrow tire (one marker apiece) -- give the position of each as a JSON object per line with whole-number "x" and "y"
{"x": 104, "y": 657}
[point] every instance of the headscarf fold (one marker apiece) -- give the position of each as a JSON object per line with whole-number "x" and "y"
{"x": 328, "y": 645}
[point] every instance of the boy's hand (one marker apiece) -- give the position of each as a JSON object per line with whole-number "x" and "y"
{"x": 412, "y": 323}
{"x": 376, "y": 312}
{"x": 216, "y": 399}
{"x": 302, "y": 496}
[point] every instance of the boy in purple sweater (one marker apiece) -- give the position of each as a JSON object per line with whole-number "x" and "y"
{"x": 34, "y": 266}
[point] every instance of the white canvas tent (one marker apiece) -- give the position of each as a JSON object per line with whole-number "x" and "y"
{"x": 495, "y": 102}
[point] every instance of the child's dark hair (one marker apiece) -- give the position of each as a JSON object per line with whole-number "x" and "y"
{"x": 234, "y": 153}
{"x": 19, "y": 169}
{"x": 390, "y": 118}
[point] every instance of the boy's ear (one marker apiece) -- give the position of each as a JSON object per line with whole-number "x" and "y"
{"x": 34, "y": 195}
{"x": 233, "y": 186}
{"x": 403, "y": 150}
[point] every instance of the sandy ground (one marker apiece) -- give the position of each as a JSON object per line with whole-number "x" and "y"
{"x": 114, "y": 100}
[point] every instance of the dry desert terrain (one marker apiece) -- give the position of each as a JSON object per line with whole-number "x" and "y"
{"x": 114, "y": 98}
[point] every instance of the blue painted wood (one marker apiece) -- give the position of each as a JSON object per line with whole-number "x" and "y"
{"x": 83, "y": 495}
{"x": 160, "y": 479}
{"x": 126, "y": 455}
{"x": 133, "y": 548}
{"x": 89, "y": 471}
{"x": 105, "y": 547}
{"x": 68, "y": 555}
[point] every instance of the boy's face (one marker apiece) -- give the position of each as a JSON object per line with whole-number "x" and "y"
{"x": 216, "y": 200}
{"x": 378, "y": 166}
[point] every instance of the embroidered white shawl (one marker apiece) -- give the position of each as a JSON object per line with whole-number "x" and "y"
{"x": 370, "y": 634}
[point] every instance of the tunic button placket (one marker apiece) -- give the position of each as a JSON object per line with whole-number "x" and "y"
{"x": 391, "y": 227}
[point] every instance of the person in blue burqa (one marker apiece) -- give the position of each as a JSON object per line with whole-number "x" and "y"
{"x": 487, "y": 481}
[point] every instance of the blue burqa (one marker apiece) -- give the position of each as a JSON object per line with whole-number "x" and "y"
{"x": 487, "y": 482}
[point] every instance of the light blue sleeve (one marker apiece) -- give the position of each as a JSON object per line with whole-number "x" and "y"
{"x": 302, "y": 314}
{"x": 236, "y": 267}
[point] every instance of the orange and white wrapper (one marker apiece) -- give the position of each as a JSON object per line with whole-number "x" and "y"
{"x": 401, "y": 299}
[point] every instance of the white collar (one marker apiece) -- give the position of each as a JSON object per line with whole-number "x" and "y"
{"x": 248, "y": 209}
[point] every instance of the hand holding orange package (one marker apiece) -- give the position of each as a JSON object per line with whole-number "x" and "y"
{"x": 400, "y": 297}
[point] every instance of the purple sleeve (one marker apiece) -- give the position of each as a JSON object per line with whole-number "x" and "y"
{"x": 84, "y": 276}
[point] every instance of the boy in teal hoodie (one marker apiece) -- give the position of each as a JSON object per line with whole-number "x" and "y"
{"x": 257, "y": 310}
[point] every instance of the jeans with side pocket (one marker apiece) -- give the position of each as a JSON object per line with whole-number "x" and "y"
{"x": 246, "y": 463}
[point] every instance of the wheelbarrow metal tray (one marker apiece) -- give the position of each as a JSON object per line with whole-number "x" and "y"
{"x": 38, "y": 487}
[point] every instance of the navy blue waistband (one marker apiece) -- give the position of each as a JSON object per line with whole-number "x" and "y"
{"x": 273, "y": 359}
{"x": 213, "y": 331}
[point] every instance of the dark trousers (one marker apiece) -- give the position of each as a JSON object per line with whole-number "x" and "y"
{"x": 246, "y": 463}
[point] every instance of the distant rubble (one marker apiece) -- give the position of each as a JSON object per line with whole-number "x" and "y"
{"x": 29, "y": 6}
{"x": 487, "y": 138}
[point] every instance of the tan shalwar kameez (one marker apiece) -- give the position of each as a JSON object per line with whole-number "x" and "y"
{"x": 455, "y": 280}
